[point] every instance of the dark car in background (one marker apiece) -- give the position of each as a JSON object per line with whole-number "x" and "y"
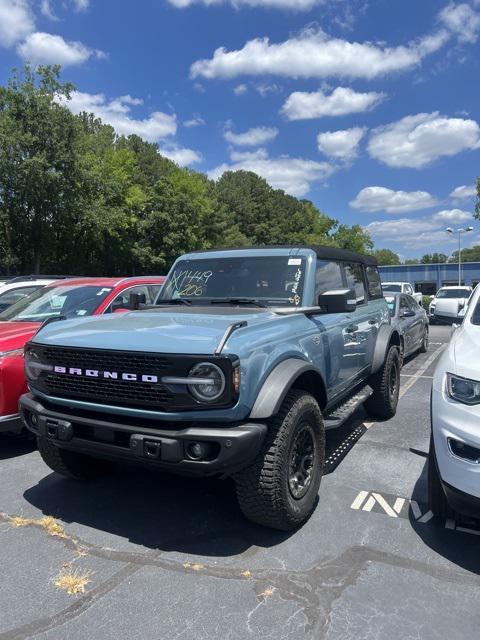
{"x": 411, "y": 322}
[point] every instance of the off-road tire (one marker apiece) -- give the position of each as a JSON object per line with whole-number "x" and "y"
{"x": 424, "y": 345}
{"x": 382, "y": 404}
{"x": 437, "y": 500}
{"x": 263, "y": 488}
{"x": 70, "y": 463}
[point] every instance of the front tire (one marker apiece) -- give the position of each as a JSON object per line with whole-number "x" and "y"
{"x": 382, "y": 404}
{"x": 70, "y": 463}
{"x": 437, "y": 500}
{"x": 280, "y": 488}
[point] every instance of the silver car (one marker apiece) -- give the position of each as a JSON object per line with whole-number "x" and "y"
{"x": 411, "y": 322}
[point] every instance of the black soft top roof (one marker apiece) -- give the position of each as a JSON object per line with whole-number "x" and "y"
{"x": 323, "y": 253}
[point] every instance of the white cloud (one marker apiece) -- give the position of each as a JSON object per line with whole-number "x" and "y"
{"x": 47, "y": 11}
{"x": 296, "y": 5}
{"x": 45, "y": 48}
{"x": 313, "y": 54}
{"x": 81, "y": 5}
{"x": 462, "y": 20}
{"x": 117, "y": 112}
{"x": 240, "y": 89}
{"x": 293, "y": 175}
{"x": 265, "y": 89}
{"x": 180, "y": 155}
{"x": 463, "y": 192}
{"x": 416, "y": 141}
{"x": 302, "y": 105}
{"x": 342, "y": 145}
{"x": 453, "y": 216}
{"x": 196, "y": 121}
{"x": 16, "y": 21}
{"x": 410, "y": 232}
{"x": 382, "y": 199}
{"x": 252, "y": 137}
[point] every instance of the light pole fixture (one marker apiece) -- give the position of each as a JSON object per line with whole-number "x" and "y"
{"x": 459, "y": 232}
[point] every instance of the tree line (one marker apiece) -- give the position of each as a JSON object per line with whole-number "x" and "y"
{"x": 76, "y": 198}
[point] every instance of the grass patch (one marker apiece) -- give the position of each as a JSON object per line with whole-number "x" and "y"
{"x": 72, "y": 581}
{"x": 49, "y": 524}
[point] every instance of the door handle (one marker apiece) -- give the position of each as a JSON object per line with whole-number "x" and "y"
{"x": 352, "y": 328}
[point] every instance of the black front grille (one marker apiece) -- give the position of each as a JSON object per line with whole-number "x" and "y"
{"x": 125, "y": 361}
{"x": 117, "y": 391}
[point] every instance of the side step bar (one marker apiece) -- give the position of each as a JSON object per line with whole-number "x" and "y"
{"x": 341, "y": 413}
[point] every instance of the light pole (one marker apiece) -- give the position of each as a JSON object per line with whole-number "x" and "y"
{"x": 459, "y": 231}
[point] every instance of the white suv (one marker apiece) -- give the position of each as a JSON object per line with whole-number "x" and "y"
{"x": 402, "y": 287}
{"x": 454, "y": 458}
{"x": 15, "y": 289}
{"x": 448, "y": 303}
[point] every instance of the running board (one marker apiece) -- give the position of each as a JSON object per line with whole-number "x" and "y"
{"x": 342, "y": 412}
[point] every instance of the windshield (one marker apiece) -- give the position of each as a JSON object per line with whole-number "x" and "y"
{"x": 274, "y": 280}
{"x": 69, "y": 301}
{"x": 391, "y": 304}
{"x": 453, "y": 293}
{"x": 392, "y": 287}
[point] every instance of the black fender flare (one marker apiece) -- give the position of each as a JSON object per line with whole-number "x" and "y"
{"x": 276, "y": 386}
{"x": 386, "y": 335}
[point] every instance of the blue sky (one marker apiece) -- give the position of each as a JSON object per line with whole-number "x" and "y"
{"x": 369, "y": 108}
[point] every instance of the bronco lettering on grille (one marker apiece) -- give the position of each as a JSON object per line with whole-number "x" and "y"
{"x": 112, "y": 375}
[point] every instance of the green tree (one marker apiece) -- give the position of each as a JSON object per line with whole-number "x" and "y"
{"x": 40, "y": 188}
{"x": 469, "y": 254}
{"x": 386, "y": 256}
{"x": 434, "y": 258}
{"x": 355, "y": 238}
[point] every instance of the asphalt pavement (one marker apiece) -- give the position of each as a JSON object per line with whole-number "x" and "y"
{"x": 161, "y": 557}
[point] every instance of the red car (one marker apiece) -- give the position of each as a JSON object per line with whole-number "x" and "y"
{"x": 70, "y": 298}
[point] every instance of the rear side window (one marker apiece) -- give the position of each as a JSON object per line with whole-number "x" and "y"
{"x": 374, "y": 284}
{"x": 354, "y": 275}
{"x": 328, "y": 276}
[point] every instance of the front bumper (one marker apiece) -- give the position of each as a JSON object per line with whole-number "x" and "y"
{"x": 459, "y": 422}
{"x": 11, "y": 424}
{"x": 232, "y": 447}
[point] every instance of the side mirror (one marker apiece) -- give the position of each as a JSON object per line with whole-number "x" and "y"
{"x": 135, "y": 300}
{"x": 407, "y": 313}
{"x": 337, "y": 301}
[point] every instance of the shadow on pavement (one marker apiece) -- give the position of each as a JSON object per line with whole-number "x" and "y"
{"x": 12, "y": 446}
{"x": 156, "y": 510}
{"x": 456, "y": 546}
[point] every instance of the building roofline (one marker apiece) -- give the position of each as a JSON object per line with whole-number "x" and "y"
{"x": 426, "y": 264}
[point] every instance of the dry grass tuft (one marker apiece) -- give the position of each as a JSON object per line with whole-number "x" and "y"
{"x": 73, "y": 582}
{"x": 268, "y": 593}
{"x": 51, "y": 526}
{"x": 20, "y": 521}
{"x": 194, "y": 567}
{"x": 246, "y": 573}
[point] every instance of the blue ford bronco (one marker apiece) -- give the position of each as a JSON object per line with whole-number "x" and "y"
{"x": 246, "y": 359}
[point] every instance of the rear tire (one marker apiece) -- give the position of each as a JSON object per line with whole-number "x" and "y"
{"x": 437, "y": 500}
{"x": 424, "y": 345}
{"x": 386, "y": 385}
{"x": 280, "y": 488}
{"x": 70, "y": 463}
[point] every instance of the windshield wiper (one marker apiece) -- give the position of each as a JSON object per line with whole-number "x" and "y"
{"x": 251, "y": 301}
{"x": 175, "y": 301}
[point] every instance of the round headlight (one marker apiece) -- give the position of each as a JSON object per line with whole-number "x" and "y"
{"x": 208, "y": 382}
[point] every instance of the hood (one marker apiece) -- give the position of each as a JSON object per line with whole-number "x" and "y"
{"x": 189, "y": 331}
{"x": 466, "y": 349}
{"x": 13, "y": 335}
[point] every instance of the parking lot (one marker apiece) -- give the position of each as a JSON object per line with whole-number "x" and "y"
{"x": 167, "y": 557}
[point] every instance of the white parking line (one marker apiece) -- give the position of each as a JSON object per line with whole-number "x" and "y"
{"x": 412, "y": 375}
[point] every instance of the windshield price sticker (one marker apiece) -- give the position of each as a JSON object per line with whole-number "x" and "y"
{"x": 294, "y": 262}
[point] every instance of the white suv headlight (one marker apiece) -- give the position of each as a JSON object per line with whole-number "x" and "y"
{"x": 463, "y": 389}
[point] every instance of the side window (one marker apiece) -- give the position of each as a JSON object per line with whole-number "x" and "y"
{"x": 413, "y": 304}
{"x": 374, "y": 284}
{"x": 354, "y": 275}
{"x": 155, "y": 289}
{"x": 328, "y": 276}
{"x": 404, "y": 306}
{"x": 408, "y": 289}
{"x": 123, "y": 298}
